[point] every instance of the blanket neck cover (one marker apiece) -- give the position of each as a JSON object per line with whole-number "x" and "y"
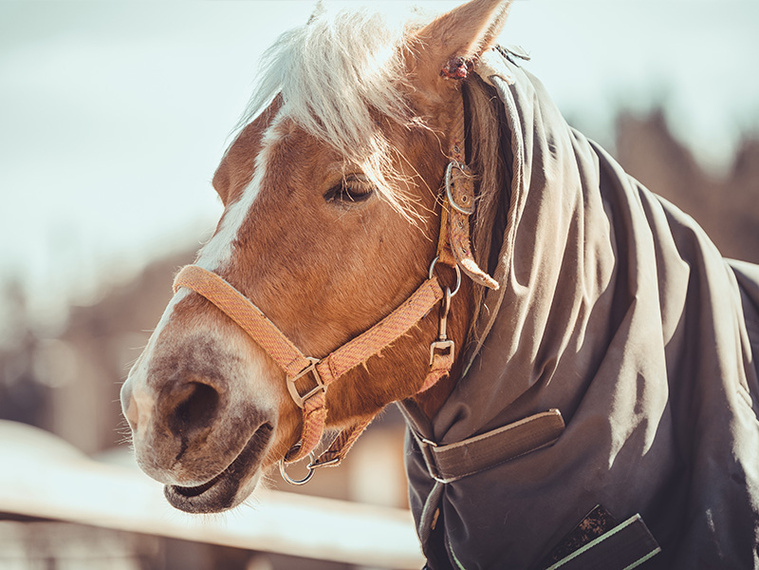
{"x": 616, "y": 309}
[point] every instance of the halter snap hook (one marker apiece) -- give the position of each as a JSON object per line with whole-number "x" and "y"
{"x": 443, "y": 343}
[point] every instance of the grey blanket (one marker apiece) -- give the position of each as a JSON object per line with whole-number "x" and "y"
{"x": 616, "y": 309}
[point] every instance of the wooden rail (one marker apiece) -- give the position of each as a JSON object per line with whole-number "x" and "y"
{"x": 42, "y": 476}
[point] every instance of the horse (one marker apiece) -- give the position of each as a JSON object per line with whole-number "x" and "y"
{"x": 408, "y": 218}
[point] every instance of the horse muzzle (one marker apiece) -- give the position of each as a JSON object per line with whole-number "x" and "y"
{"x": 231, "y": 486}
{"x": 196, "y": 428}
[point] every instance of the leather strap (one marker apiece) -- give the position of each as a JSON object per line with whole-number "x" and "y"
{"x": 341, "y": 445}
{"x": 458, "y": 207}
{"x": 383, "y": 334}
{"x": 357, "y": 351}
{"x": 454, "y": 244}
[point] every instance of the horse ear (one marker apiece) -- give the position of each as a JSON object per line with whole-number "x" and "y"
{"x": 318, "y": 11}
{"x": 444, "y": 48}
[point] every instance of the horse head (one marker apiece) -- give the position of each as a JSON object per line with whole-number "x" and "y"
{"x": 331, "y": 217}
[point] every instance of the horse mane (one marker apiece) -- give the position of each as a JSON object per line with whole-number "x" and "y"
{"x": 489, "y": 146}
{"x": 336, "y": 75}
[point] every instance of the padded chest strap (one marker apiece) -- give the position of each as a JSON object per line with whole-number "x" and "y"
{"x": 449, "y": 463}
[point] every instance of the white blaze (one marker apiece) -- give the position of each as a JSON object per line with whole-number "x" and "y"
{"x": 217, "y": 253}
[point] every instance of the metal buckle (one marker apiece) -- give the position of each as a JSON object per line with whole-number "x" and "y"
{"x": 446, "y": 346}
{"x": 426, "y": 446}
{"x": 299, "y": 399}
{"x": 466, "y": 210}
{"x": 312, "y": 465}
{"x": 316, "y": 464}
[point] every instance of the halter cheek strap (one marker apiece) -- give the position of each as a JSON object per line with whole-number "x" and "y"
{"x": 454, "y": 246}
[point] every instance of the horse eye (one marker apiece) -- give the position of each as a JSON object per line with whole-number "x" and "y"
{"x": 352, "y": 188}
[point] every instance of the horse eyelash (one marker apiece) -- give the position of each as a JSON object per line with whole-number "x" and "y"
{"x": 350, "y": 189}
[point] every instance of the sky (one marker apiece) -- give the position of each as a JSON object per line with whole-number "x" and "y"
{"x": 114, "y": 114}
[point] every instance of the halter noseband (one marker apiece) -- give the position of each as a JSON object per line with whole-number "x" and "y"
{"x": 323, "y": 372}
{"x": 454, "y": 250}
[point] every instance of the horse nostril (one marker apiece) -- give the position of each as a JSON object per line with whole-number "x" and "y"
{"x": 196, "y": 410}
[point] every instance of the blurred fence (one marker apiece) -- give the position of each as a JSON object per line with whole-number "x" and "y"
{"x": 45, "y": 478}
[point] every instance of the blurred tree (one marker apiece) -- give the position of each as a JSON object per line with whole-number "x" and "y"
{"x": 22, "y": 397}
{"x": 726, "y": 206}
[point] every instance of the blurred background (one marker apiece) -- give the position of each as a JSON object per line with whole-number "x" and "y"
{"x": 114, "y": 115}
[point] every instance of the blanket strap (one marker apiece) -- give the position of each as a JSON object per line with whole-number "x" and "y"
{"x": 449, "y": 463}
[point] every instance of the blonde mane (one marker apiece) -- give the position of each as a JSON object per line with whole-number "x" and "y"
{"x": 342, "y": 69}
{"x": 336, "y": 75}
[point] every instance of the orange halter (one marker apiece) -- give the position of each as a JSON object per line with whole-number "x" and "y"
{"x": 454, "y": 249}
{"x": 323, "y": 372}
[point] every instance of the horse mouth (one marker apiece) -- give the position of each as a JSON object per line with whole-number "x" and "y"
{"x": 221, "y": 492}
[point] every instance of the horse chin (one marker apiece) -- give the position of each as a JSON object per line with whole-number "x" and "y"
{"x": 230, "y": 487}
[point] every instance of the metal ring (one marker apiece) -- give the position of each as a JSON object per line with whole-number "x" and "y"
{"x": 458, "y": 274}
{"x": 447, "y": 304}
{"x": 306, "y": 479}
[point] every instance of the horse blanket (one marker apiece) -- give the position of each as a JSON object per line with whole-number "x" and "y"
{"x": 618, "y": 311}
